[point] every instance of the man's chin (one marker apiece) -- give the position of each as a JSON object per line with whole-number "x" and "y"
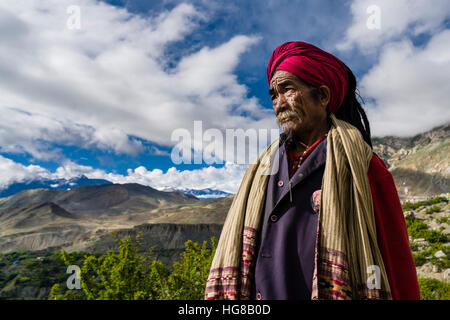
{"x": 289, "y": 125}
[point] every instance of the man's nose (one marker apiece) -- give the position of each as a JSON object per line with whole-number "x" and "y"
{"x": 280, "y": 104}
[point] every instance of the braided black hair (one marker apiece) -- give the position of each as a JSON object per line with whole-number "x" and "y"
{"x": 351, "y": 110}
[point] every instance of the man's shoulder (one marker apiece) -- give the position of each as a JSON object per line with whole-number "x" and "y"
{"x": 377, "y": 161}
{"x": 378, "y": 168}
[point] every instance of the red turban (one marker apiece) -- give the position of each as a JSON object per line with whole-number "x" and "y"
{"x": 312, "y": 65}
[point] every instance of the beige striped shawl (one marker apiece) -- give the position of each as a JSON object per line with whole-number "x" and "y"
{"x": 348, "y": 262}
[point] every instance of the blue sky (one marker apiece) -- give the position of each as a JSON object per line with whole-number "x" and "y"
{"x": 104, "y": 99}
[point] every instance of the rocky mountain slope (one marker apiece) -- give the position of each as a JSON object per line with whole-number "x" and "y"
{"x": 95, "y": 201}
{"x": 421, "y": 162}
{"x": 76, "y": 219}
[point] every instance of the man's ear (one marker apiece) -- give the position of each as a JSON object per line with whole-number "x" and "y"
{"x": 324, "y": 95}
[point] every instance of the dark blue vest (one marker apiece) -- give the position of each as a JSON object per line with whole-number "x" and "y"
{"x": 285, "y": 246}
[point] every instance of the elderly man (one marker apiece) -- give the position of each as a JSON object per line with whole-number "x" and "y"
{"x": 328, "y": 223}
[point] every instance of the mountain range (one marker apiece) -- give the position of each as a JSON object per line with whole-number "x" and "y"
{"x": 82, "y": 219}
{"x": 55, "y": 184}
{"x": 67, "y": 184}
{"x": 77, "y": 216}
{"x": 420, "y": 162}
{"x": 205, "y": 193}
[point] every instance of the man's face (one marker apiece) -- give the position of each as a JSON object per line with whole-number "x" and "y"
{"x": 294, "y": 106}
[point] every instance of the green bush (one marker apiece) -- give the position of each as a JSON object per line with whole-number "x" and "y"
{"x": 420, "y": 258}
{"x": 131, "y": 275}
{"x": 187, "y": 282}
{"x": 33, "y": 265}
{"x": 443, "y": 262}
{"x": 438, "y": 200}
{"x": 419, "y": 229}
{"x": 410, "y": 205}
{"x": 443, "y": 220}
{"x": 414, "y": 246}
{"x": 433, "y": 289}
{"x": 433, "y": 236}
{"x": 432, "y": 210}
{"x": 416, "y": 228}
{"x": 423, "y": 256}
{"x": 22, "y": 280}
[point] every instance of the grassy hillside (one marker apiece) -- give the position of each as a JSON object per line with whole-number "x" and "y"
{"x": 422, "y": 161}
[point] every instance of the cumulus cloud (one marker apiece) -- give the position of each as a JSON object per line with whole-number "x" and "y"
{"x": 111, "y": 79}
{"x": 16, "y": 172}
{"x": 406, "y": 86}
{"x": 409, "y": 86}
{"x": 226, "y": 178}
{"x": 397, "y": 19}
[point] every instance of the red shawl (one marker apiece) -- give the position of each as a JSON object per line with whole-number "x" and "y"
{"x": 392, "y": 233}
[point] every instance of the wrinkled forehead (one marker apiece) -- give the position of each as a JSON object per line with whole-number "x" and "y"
{"x": 281, "y": 76}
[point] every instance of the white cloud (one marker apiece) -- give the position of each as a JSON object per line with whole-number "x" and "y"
{"x": 408, "y": 82}
{"x": 22, "y": 132}
{"x": 96, "y": 86}
{"x": 410, "y": 86}
{"x": 16, "y": 172}
{"x": 226, "y": 178}
{"x": 397, "y": 19}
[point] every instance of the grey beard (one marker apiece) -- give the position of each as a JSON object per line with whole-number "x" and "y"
{"x": 286, "y": 115}
{"x": 289, "y": 137}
